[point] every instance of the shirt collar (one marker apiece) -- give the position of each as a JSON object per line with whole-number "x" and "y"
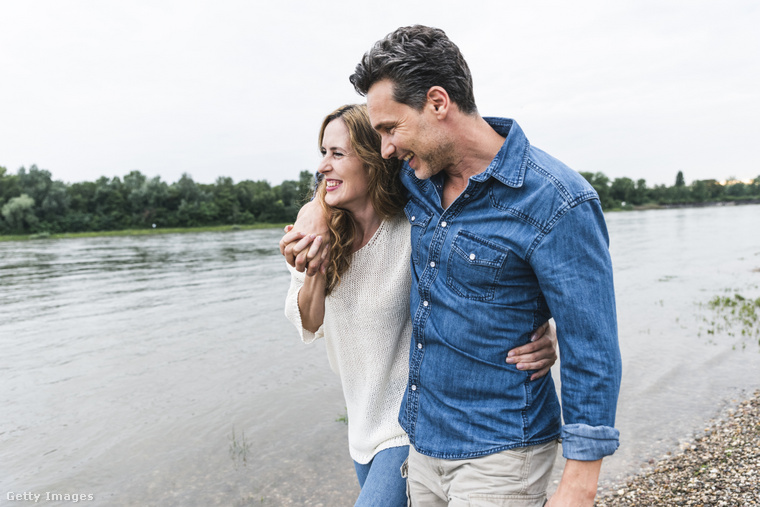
{"x": 509, "y": 164}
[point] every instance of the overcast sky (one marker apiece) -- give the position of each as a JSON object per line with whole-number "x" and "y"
{"x": 642, "y": 89}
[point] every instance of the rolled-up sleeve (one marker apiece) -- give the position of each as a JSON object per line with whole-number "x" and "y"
{"x": 293, "y": 312}
{"x": 574, "y": 269}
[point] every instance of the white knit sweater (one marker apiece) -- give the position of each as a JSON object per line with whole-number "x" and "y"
{"x": 367, "y": 329}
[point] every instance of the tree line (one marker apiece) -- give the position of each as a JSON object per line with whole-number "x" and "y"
{"x": 32, "y": 202}
{"x": 624, "y": 193}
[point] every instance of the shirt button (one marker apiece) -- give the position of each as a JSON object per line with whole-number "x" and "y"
{"x": 472, "y": 257}
{"x": 414, "y": 388}
{"x": 466, "y": 195}
{"x": 432, "y": 264}
{"x": 419, "y": 345}
{"x": 425, "y": 303}
{"x": 443, "y": 224}
{"x": 414, "y": 218}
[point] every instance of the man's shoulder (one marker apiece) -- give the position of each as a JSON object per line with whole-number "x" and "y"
{"x": 549, "y": 174}
{"x": 548, "y": 190}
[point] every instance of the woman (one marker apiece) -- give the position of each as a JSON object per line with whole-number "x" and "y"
{"x": 359, "y": 298}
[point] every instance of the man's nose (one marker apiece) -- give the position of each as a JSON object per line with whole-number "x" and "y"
{"x": 387, "y": 149}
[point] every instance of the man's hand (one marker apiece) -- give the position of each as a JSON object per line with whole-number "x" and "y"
{"x": 578, "y": 485}
{"x": 305, "y": 241}
{"x": 540, "y": 354}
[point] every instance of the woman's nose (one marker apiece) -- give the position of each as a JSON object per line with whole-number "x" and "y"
{"x": 324, "y": 166}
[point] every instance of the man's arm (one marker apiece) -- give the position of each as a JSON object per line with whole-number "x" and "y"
{"x": 574, "y": 271}
{"x": 307, "y": 240}
{"x": 540, "y": 354}
{"x": 578, "y": 485}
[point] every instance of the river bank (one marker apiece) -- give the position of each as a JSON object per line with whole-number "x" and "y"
{"x": 719, "y": 467}
{"x": 138, "y": 232}
{"x": 682, "y": 205}
{"x": 226, "y": 228}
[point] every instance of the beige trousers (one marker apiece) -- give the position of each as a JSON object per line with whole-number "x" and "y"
{"x": 512, "y": 478}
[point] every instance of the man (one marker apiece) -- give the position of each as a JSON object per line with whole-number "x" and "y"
{"x": 503, "y": 237}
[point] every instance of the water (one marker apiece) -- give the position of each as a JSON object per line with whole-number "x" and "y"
{"x": 160, "y": 370}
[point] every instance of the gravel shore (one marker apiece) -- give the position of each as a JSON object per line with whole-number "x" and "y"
{"x": 719, "y": 468}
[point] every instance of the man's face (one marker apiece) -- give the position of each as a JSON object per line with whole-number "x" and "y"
{"x": 407, "y": 134}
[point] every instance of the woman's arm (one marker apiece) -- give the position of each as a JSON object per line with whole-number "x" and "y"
{"x": 311, "y": 302}
{"x": 540, "y": 354}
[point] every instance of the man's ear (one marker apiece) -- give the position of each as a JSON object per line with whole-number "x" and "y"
{"x": 438, "y": 101}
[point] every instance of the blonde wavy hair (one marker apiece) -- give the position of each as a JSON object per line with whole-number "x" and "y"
{"x": 385, "y": 191}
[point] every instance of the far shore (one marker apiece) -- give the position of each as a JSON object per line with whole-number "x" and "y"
{"x": 138, "y": 232}
{"x": 711, "y": 204}
{"x": 227, "y": 228}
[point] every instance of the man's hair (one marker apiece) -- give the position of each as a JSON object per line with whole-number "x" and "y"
{"x": 416, "y": 58}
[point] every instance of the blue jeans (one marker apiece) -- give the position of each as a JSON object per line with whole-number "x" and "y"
{"x": 381, "y": 481}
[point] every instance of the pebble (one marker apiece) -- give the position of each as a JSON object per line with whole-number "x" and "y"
{"x": 719, "y": 468}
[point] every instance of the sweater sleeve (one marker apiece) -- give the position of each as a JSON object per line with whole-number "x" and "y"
{"x": 293, "y": 313}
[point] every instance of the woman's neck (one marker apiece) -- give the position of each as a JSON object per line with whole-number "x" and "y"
{"x": 367, "y": 223}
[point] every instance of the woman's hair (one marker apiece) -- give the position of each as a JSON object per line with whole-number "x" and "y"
{"x": 384, "y": 188}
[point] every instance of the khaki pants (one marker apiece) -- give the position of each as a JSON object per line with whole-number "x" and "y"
{"x": 512, "y": 478}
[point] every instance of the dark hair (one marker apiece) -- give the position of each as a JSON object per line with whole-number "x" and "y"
{"x": 384, "y": 187}
{"x": 416, "y": 58}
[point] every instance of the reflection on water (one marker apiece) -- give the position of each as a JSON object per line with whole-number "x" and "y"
{"x": 160, "y": 370}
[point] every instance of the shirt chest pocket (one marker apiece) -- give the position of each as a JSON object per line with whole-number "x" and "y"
{"x": 418, "y": 218}
{"x": 474, "y": 266}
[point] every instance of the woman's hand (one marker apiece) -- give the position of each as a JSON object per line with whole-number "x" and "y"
{"x": 300, "y": 248}
{"x": 540, "y": 354}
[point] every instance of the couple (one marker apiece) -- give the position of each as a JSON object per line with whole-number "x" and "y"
{"x": 503, "y": 237}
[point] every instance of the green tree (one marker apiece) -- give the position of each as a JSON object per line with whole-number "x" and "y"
{"x": 18, "y": 213}
{"x": 755, "y": 187}
{"x": 624, "y": 190}
{"x": 601, "y": 184}
{"x": 9, "y": 186}
{"x": 641, "y": 194}
{"x": 225, "y": 199}
{"x": 305, "y": 185}
{"x": 699, "y": 192}
{"x": 736, "y": 190}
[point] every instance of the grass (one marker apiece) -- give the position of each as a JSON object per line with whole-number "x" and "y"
{"x": 239, "y": 447}
{"x": 137, "y": 232}
{"x": 733, "y": 315}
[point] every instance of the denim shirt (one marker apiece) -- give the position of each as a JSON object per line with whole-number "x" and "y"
{"x": 525, "y": 241}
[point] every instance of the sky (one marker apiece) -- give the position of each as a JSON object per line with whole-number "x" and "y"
{"x": 638, "y": 89}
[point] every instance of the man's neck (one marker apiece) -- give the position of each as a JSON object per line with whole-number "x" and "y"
{"x": 477, "y": 144}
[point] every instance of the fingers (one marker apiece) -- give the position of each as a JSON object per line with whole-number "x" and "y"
{"x": 538, "y": 355}
{"x": 312, "y": 256}
{"x": 540, "y": 373}
{"x": 295, "y": 248}
{"x": 541, "y": 331}
{"x": 528, "y": 348}
{"x": 287, "y": 240}
{"x": 325, "y": 259}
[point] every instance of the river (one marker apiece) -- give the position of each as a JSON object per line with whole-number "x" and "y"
{"x": 160, "y": 370}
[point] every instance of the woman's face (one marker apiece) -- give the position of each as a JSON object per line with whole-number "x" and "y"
{"x": 344, "y": 172}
